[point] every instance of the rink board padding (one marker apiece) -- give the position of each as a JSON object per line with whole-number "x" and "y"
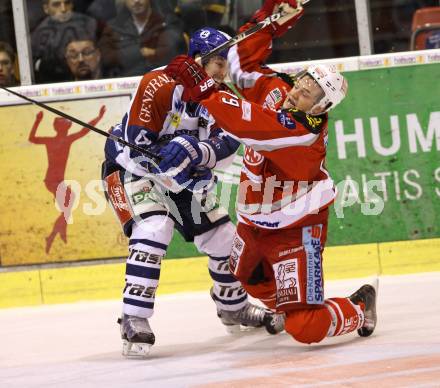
{"x": 105, "y": 281}
{"x": 386, "y": 132}
{"x": 33, "y": 170}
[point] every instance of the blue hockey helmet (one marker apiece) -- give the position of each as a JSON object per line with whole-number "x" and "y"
{"x": 207, "y": 39}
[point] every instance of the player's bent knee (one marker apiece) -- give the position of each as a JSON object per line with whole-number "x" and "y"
{"x": 308, "y": 325}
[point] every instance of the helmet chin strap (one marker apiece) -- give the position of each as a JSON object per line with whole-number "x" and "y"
{"x": 319, "y": 104}
{"x": 324, "y": 109}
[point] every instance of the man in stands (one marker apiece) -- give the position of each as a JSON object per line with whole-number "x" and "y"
{"x": 51, "y": 36}
{"x": 83, "y": 59}
{"x": 138, "y": 39}
{"x": 7, "y": 62}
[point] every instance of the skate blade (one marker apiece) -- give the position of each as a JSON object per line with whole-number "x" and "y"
{"x": 239, "y": 329}
{"x": 135, "y": 349}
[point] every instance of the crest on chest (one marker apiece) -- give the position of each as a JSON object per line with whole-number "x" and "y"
{"x": 252, "y": 158}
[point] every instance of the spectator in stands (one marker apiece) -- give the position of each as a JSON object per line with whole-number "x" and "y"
{"x": 50, "y": 38}
{"x": 138, "y": 40}
{"x": 215, "y": 9}
{"x": 433, "y": 40}
{"x": 83, "y": 59}
{"x": 7, "y": 33}
{"x": 104, "y": 10}
{"x": 168, "y": 10}
{"x": 199, "y": 13}
{"x": 36, "y": 13}
{"x": 7, "y": 65}
{"x": 82, "y": 5}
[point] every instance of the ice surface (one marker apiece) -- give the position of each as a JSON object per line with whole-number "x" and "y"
{"x": 78, "y": 345}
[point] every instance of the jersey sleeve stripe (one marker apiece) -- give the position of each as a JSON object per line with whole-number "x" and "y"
{"x": 242, "y": 79}
{"x": 284, "y": 142}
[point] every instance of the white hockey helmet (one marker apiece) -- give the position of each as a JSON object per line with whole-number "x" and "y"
{"x": 332, "y": 83}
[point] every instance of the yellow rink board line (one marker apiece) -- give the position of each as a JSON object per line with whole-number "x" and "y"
{"x": 105, "y": 281}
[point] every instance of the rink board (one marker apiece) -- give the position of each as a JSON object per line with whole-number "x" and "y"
{"x": 105, "y": 281}
{"x": 388, "y": 94}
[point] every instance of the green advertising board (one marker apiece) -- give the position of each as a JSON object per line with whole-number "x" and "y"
{"x": 388, "y": 130}
{"x": 384, "y": 156}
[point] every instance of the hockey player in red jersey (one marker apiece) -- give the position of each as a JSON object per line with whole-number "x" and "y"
{"x": 161, "y": 119}
{"x": 285, "y": 190}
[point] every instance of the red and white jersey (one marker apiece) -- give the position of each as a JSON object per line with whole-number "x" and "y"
{"x": 256, "y": 82}
{"x": 283, "y": 179}
{"x": 157, "y": 114}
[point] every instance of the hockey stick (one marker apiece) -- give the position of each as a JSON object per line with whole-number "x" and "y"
{"x": 143, "y": 151}
{"x": 167, "y": 183}
{"x": 229, "y": 43}
{"x": 245, "y": 34}
{"x": 164, "y": 181}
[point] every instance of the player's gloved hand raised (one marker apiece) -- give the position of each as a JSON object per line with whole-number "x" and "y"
{"x": 269, "y": 6}
{"x": 196, "y": 82}
{"x": 292, "y": 10}
{"x": 181, "y": 153}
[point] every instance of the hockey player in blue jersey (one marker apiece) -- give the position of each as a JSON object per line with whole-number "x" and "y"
{"x": 162, "y": 119}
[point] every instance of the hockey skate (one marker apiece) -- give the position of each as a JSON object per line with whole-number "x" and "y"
{"x": 367, "y": 295}
{"x": 137, "y": 336}
{"x": 251, "y": 316}
{"x": 274, "y": 322}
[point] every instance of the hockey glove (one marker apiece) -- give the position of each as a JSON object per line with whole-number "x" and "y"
{"x": 196, "y": 82}
{"x": 291, "y": 8}
{"x": 181, "y": 153}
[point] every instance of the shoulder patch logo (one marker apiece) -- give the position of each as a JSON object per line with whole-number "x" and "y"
{"x": 286, "y": 120}
{"x": 276, "y": 95}
{"x": 175, "y": 119}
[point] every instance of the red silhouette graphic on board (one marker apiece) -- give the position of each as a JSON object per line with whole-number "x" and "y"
{"x": 58, "y": 148}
